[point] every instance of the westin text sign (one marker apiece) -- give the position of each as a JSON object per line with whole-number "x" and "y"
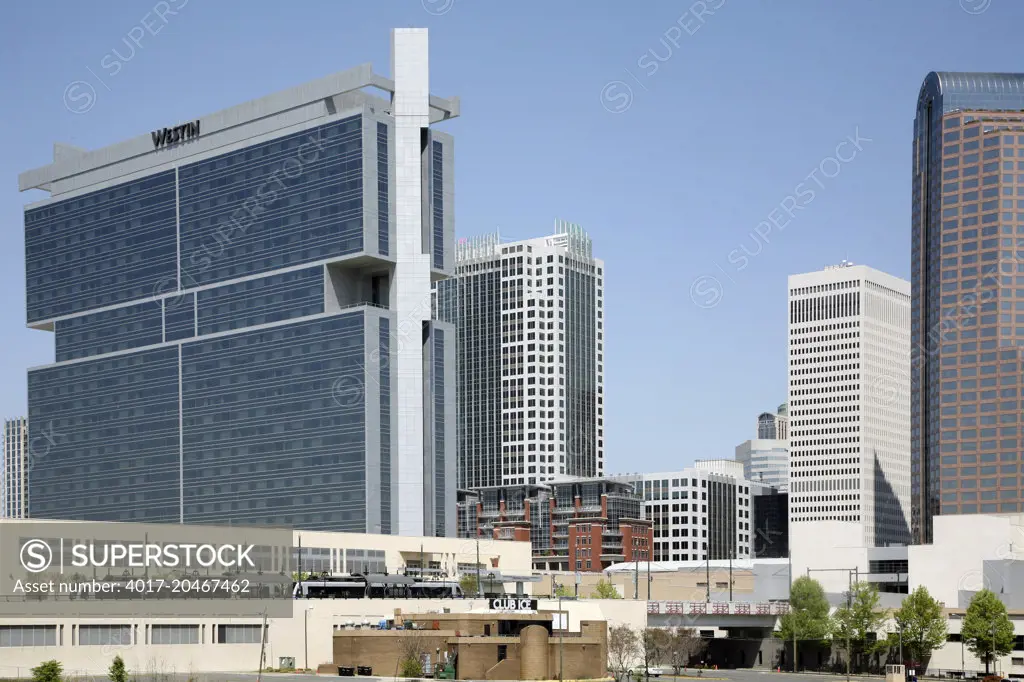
{"x": 169, "y": 136}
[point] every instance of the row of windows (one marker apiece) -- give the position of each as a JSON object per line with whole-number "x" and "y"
{"x": 267, "y": 410}
{"x": 259, "y": 301}
{"x": 291, "y": 200}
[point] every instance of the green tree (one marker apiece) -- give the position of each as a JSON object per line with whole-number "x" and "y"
{"x": 859, "y": 623}
{"x": 563, "y": 591}
{"x": 807, "y": 619}
{"x": 117, "y": 672}
{"x": 605, "y": 590}
{"x": 987, "y": 630}
{"x": 468, "y": 584}
{"x": 47, "y": 671}
{"x": 922, "y": 625}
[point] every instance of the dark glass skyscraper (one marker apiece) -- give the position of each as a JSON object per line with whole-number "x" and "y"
{"x": 967, "y": 277}
{"x": 241, "y": 314}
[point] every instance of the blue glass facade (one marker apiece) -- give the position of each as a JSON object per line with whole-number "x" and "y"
{"x": 383, "y": 179}
{"x": 101, "y": 248}
{"x": 218, "y": 401}
{"x": 112, "y": 449}
{"x": 225, "y": 311}
{"x": 296, "y": 293}
{"x": 292, "y": 200}
{"x": 384, "y": 378}
{"x": 437, "y": 202}
{"x": 109, "y": 330}
{"x": 437, "y": 378}
{"x": 266, "y": 441}
{"x": 180, "y": 317}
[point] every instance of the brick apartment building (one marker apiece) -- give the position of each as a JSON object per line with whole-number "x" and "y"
{"x": 572, "y": 525}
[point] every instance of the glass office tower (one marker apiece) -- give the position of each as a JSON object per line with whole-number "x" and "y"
{"x": 967, "y": 297}
{"x": 241, "y": 314}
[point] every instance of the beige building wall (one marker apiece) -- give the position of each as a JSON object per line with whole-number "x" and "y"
{"x": 286, "y": 636}
{"x": 683, "y": 585}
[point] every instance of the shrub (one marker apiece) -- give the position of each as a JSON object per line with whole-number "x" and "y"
{"x": 117, "y": 672}
{"x": 410, "y": 667}
{"x": 47, "y": 671}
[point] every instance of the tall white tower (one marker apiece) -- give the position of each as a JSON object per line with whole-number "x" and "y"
{"x": 849, "y": 401}
{"x": 530, "y": 321}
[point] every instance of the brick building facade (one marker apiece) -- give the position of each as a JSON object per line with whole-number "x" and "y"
{"x": 573, "y": 525}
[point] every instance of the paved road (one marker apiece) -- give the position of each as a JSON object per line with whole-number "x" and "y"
{"x": 745, "y": 675}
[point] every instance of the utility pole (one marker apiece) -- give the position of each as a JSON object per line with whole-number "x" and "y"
{"x": 993, "y": 656}
{"x": 636, "y": 575}
{"x": 707, "y": 576}
{"x": 850, "y": 573}
{"x": 263, "y": 646}
{"x": 849, "y": 608}
{"x": 963, "y": 672}
{"x": 479, "y": 585}
{"x": 900, "y": 626}
{"x": 790, "y": 600}
{"x": 648, "y": 576}
{"x": 562, "y": 625}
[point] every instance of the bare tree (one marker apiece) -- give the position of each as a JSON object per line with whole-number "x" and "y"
{"x": 623, "y": 649}
{"x": 683, "y": 644}
{"x": 410, "y": 656}
{"x": 655, "y": 642}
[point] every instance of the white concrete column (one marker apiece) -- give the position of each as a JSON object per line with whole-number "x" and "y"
{"x": 410, "y": 290}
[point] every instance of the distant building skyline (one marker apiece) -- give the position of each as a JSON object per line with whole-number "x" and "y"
{"x": 774, "y": 425}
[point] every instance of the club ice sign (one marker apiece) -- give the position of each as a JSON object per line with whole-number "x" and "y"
{"x": 513, "y": 604}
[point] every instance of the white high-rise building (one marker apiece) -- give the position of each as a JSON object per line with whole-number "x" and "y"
{"x": 530, "y": 357}
{"x": 765, "y": 461}
{"x": 15, "y": 470}
{"x": 699, "y": 512}
{"x": 849, "y": 401}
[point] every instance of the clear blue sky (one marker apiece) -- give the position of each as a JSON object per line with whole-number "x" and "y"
{"x": 743, "y": 105}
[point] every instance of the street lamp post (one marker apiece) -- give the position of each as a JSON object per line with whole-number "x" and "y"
{"x": 850, "y": 572}
{"x": 305, "y": 635}
{"x": 561, "y": 629}
{"x": 900, "y": 626}
{"x": 993, "y": 655}
{"x": 963, "y": 672}
{"x": 479, "y": 587}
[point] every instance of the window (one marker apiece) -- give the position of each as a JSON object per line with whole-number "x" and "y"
{"x": 28, "y": 635}
{"x": 239, "y": 634}
{"x": 104, "y": 635}
{"x": 174, "y": 634}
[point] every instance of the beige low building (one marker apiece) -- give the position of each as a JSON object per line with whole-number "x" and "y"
{"x": 482, "y": 646}
{"x": 212, "y": 644}
{"x": 221, "y": 644}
